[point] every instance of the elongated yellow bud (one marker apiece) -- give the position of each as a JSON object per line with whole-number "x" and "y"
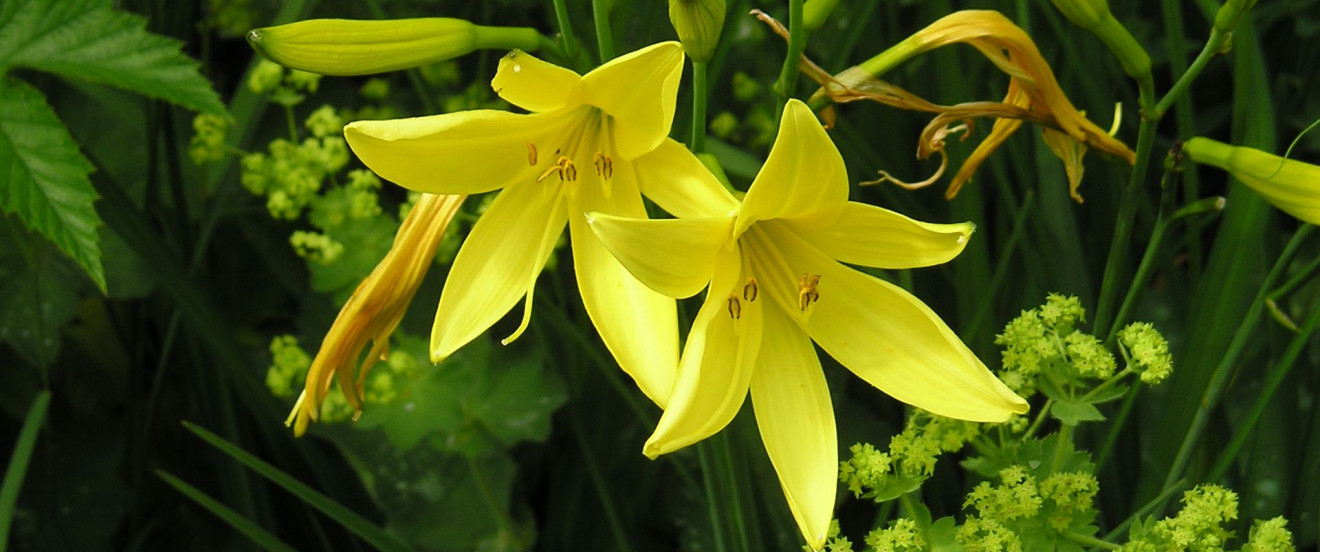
{"x": 344, "y": 47}
{"x": 698, "y": 23}
{"x": 1292, "y": 186}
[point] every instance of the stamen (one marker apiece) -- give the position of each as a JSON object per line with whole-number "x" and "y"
{"x": 807, "y": 293}
{"x": 604, "y": 165}
{"x": 531, "y": 154}
{"x": 563, "y": 167}
{"x": 735, "y": 307}
{"x": 750, "y": 290}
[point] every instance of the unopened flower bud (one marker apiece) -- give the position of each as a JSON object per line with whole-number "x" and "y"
{"x": 1094, "y": 16}
{"x": 698, "y": 23}
{"x": 1229, "y": 14}
{"x": 815, "y": 12}
{"x": 344, "y": 47}
{"x": 1292, "y": 186}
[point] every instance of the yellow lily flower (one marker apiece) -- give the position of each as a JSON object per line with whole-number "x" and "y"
{"x": 1292, "y": 186}
{"x": 591, "y": 143}
{"x": 374, "y": 309}
{"x": 772, "y": 266}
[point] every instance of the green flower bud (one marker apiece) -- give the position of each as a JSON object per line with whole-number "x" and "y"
{"x": 347, "y": 47}
{"x": 815, "y": 12}
{"x": 1290, "y": 185}
{"x": 1094, "y": 16}
{"x": 1229, "y": 14}
{"x": 698, "y": 23}
{"x": 1084, "y": 13}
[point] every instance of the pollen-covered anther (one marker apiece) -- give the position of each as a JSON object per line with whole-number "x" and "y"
{"x": 531, "y": 154}
{"x": 750, "y": 290}
{"x": 563, "y": 167}
{"x": 735, "y": 307}
{"x": 604, "y": 165}
{"x": 807, "y": 293}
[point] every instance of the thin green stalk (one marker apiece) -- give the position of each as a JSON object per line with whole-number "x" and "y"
{"x": 1117, "y": 424}
{"x": 247, "y": 527}
{"x": 797, "y": 42}
{"x": 727, "y": 473}
{"x": 598, "y": 481}
{"x": 1064, "y": 443}
{"x": 1087, "y": 540}
{"x": 1276, "y": 377}
{"x": 1147, "y": 261}
{"x": 1220, "y": 376}
{"x": 1001, "y": 271}
{"x": 1127, "y": 212}
{"x": 699, "y": 91}
{"x": 1040, "y": 419}
{"x": 566, "y": 30}
{"x": 1144, "y": 510}
{"x": 1213, "y": 46}
{"x": 18, "y": 462}
{"x": 712, "y": 497}
{"x": 600, "y": 14}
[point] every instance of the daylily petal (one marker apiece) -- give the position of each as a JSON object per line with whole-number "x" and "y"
{"x": 796, "y": 420}
{"x": 803, "y": 173}
{"x": 535, "y": 85}
{"x": 677, "y": 181}
{"x": 467, "y": 152}
{"x": 638, "y": 325}
{"x": 497, "y": 264}
{"x": 716, "y": 367}
{"x": 671, "y": 256}
{"x": 892, "y": 340}
{"x": 867, "y": 235}
{"x": 639, "y": 90}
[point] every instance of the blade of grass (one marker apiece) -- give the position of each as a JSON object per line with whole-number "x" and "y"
{"x": 18, "y": 463}
{"x": 243, "y": 525}
{"x": 355, "y": 523}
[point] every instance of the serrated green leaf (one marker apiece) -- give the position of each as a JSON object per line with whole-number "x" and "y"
{"x": 90, "y": 40}
{"x": 1073, "y": 413}
{"x": 44, "y": 177}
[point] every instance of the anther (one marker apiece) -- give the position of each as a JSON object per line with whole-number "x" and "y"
{"x": 563, "y": 167}
{"x": 750, "y": 290}
{"x": 735, "y": 307}
{"x": 531, "y": 154}
{"x": 807, "y": 293}
{"x": 604, "y": 165}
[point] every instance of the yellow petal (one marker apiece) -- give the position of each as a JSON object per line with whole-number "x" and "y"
{"x": 497, "y": 264}
{"x": 671, "y": 256}
{"x": 535, "y": 85}
{"x": 804, "y": 172}
{"x": 677, "y": 181}
{"x": 639, "y": 90}
{"x": 467, "y": 152}
{"x": 892, "y": 340}
{"x": 638, "y": 325}
{"x": 867, "y": 235}
{"x": 796, "y": 419}
{"x": 716, "y": 367}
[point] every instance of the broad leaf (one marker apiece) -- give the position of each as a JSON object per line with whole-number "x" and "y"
{"x": 43, "y": 177}
{"x": 89, "y": 40}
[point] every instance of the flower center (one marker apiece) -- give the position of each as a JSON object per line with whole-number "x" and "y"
{"x": 585, "y": 138}
{"x": 749, "y": 293}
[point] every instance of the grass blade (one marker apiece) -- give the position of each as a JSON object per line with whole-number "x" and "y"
{"x": 243, "y": 525}
{"x": 18, "y": 463}
{"x": 355, "y": 523}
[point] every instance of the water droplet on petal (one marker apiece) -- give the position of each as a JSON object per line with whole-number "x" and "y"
{"x": 517, "y": 68}
{"x": 962, "y": 238}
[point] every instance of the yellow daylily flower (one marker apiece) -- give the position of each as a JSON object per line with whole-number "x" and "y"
{"x": 773, "y": 269}
{"x": 1292, "y": 186}
{"x": 375, "y": 309}
{"x": 591, "y": 143}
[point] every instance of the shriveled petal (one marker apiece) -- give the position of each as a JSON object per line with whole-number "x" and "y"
{"x": 533, "y": 84}
{"x": 638, "y": 325}
{"x": 672, "y": 256}
{"x": 639, "y": 90}
{"x": 716, "y": 367}
{"x": 891, "y": 339}
{"x": 796, "y": 419}
{"x": 867, "y": 235}
{"x": 677, "y": 181}
{"x": 467, "y": 152}
{"x": 803, "y": 174}
{"x": 497, "y": 264}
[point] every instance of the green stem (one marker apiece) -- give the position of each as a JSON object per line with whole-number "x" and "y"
{"x": 707, "y": 480}
{"x": 1065, "y": 438}
{"x": 797, "y": 42}
{"x": 1040, "y": 419}
{"x": 293, "y": 123}
{"x": 18, "y": 462}
{"x": 1221, "y": 373}
{"x": 1116, "y": 426}
{"x": 1263, "y": 399}
{"x": 1127, "y": 212}
{"x": 1213, "y": 46}
{"x": 699, "y": 91}
{"x": 600, "y": 14}
{"x": 1107, "y": 384}
{"x": 727, "y": 473}
{"x": 909, "y": 508}
{"x": 1147, "y": 261}
{"x": 599, "y": 482}
{"x": 1087, "y": 540}
{"x": 566, "y": 30}
{"x": 1144, "y": 510}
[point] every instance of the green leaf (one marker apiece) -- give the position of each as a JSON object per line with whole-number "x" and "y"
{"x": 18, "y": 461}
{"x": 45, "y": 177}
{"x": 894, "y": 486}
{"x": 241, "y": 524}
{"x": 940, "y": 536}
{"x": 41, "y": 296}
{"x": 1073, "y": 413}
{"x": 89, "y": 40}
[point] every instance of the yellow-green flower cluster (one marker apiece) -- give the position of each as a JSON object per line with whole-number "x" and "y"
{"x": 902, "y": 535}
{"x": 384, "y": 386}
{"x": 865, "y": 470}
{"x": 1089, "y": 356}
{"x": 926, "y": 436}
{"x": 284, "y": 87}
{"x": 1017, "y": 498}
{"x": 986, "y": 535}
{"x": 208, "y": 141}
{"x": 1044, "y": 337}
{"x": 315, "y": 247}
{"x": 1148, "y": 351}
{"x": 1069, "y": 499}
{"x": 288, "y": 366}
{"x": 290, "y": 175}
{"x": 1199, "y": 526}
{"x": 1270, "y": 535}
